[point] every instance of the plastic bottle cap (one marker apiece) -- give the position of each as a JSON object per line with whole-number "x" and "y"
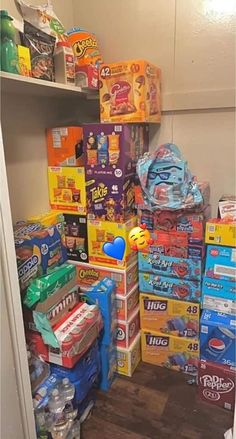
{"x": 65, "y": 381}
{"x": 4, "y": 14}
{"x": 55, "y": 392}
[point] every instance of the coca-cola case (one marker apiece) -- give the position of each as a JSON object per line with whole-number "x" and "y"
{"x": 216, "y": 384}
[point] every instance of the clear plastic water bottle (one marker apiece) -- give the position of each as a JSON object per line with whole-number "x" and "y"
{"x": 56, "y": 402}
{"x": 67, "y": 389}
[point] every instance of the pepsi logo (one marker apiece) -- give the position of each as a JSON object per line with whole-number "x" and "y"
{"x": 216, "y": 345}
{"x": 211, "y": 395}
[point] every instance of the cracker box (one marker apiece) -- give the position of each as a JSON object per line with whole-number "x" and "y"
{"x": 170, "y": 287}
{"x": 221, "y": 263}
{"x": 112, "y": 150}
{"x": 220, "y": 233}
{"x": 219, "y": 295}
{"x": 130, "y": 92}
{"x": 65, "y": 146}
{"x": 169, "y": 316}
{"x": 157, "y": 263}
{"x": 101, "y": 232}
{"x": 217, "y": 337}
{"x": 126, "y": 305}
{"x": 76, "y": 239}
{"x": 109, "y": 199}
{"x": 67, "y": 189}
{"x": 128, "y": 330}
{"x": 216, "y": 384}
{"x": 125, "y": 280}
{"x": 128, "y": 359}
{"x": 179, "y": 354}
{"x": 108, "y": 355}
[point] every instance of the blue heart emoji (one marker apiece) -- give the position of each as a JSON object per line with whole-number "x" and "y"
{"x": 115, "y": 249}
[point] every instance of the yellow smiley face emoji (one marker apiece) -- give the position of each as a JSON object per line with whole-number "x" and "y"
{"x": 139, "y": 237}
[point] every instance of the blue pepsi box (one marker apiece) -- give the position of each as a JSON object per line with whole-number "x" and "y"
{"x": 108, "y": 355}
{"x": 219, "y": 295}
{"x": 221, "y": 263}
{"x": 217, "y": 337}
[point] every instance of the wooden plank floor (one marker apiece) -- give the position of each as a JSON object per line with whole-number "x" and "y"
{"x": 155, "y": 404}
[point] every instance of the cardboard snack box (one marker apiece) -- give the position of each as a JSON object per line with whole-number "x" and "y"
{"x": 128, "y": 330}
{"x": 220, "y": 233}
{"x": 125, "y": 305}
{"x": 76, "y": 237}
{"x": 221, "y": 263}
{"x": 65, "y": 146}
{"x": 128, "y": 359}
{"x": 219, "y": 295}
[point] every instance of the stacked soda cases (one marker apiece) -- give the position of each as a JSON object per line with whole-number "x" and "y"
{"x": 218, "y": 323}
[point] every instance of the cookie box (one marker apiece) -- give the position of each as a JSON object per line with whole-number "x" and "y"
{"x": 227, "y": 208}
{"x": 219, "y": 295}
{"x": 108, "y": 356}
{"x": 127, "y": 330}
{"x": 65, "y": 146}
{"x": 125, "y": 305}
{"x": 221, "y": 263}
{"x": 128, "y": 359}
{"x": 220, "y": 233}
{"x": 76, "y": 239}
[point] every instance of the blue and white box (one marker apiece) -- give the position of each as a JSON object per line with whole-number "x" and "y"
{"x": 221, "y": 263}
{"x": 108, "y": 356}
{"x": 219, "y": 295}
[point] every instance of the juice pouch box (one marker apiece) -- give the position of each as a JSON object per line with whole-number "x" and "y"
{"x": 157, "y": 263}
{"x": 128, "y": 359}
{"x": 65, "y": 146}
{"x": 102, "y": 232}
{"x": 130, "y": 92}
{"x": 170, "y": 287}
{"x": 121, "y": 144}
{"x": 67, "y": 189}
{"x": 169, "y": 316}
{"x": 125, "y": 280}
{"x": 221, "y": 263}
{"x": 125, "y": 305}
{"x": 219, "y": 295}
{"x": 76, "y": 239}
{"x": 220, "y": 233}
{"x": 109, "y": 199}
{"x": 179, "y": 354}
{"x": 128, "y": 330}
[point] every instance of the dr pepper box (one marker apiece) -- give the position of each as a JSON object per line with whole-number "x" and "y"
{"x": 65, "y": 146}
{"x": 128, "y": 330}
{"x": 216, "y": 384}
{"x": 130, "y": 92}
{"x": 220, "y": 232}
{"x": 221, "y": 263}
{"x": 128, "y": 359}
{"x": 112, "y": 150}
{"x": 76, "y": 237}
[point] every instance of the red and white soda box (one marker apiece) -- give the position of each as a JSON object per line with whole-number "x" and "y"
{"x": 216, "y": 384}
{"x": 125, "y": 305}
{"x": 127, "y": 330}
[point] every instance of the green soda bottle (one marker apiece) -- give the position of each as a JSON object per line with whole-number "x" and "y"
{"x": 9, "y": 55}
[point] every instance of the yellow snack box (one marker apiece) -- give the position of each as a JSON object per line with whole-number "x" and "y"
{"x": 24, "y": 60}
{"x": 180, "y": 354}
{"x": 128, "y": 359}
{"x": 220, "y": 233}
{"x": 102, "y": 232}
{"x": 130, "y": 92}
{"x": 67, "y": 189}
{"x": 47, "y": 219}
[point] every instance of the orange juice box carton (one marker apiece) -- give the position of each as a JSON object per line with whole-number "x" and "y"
{"x": 128, "y": 359}
{"x": 125, "y": 305}
{"x": 102, "y": 235}
{"x": 76, "y": 238}
{"x": 169, "y": 316}
{"x": 67, "y": 189}
{"x": 179, "y": 354}
{"x": 65, "y": 146}
{"x": 127, "y": 330}
{"x": 220, "y": 232}
{"x": 130, "y": 92}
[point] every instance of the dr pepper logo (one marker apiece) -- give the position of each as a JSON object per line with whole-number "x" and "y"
{"x": 155, "y": 305}
{"x": 215, "y": 386}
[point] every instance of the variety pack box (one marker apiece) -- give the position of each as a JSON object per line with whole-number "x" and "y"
{"x": 128, "y": 330}
{"x": 221, "y": 263}
{"x": 130, "y": 92}
{"x": 157, "y": 263}
{"x": 112, "y": 150}
{"x": 67, "y": 189}
{"x": 217, "y": 337}
{"x": 108, "y": 355}
{"x": 169, "y": 316}
{"x": 170, "y": 287}
{"x": 101, "y": 232}
{"x": 227, "y": 207}
{"x": 128, "y": 359}
{"x": 65, "y": 146}
{"x": 220, "y": 232}
{"x": 219, "y": 295}
{"x": 109, "y": 199}
{"x": 125, "y": 305}
{"x": 125, "y": 280}
{"x": 180, "y": 354}
{"x": 76, "y": 237}
{"x": 216, "y": 384}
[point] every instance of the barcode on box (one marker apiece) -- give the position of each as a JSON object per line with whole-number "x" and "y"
{"x": 118, "y": 128}
{"x": 204, "y": 329}
{"x": 227, "y": 406}
{"x": 211, "y": 228}
{"x": 116, "y": 277}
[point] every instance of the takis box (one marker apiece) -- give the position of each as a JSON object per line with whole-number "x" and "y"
{"x": 112, "y": 150}
{"x": 157, "y": 263}
{"x": 65, "y": 146}
{"x": 125, "y": 280}
{"x": 109, "y": 199}
{"x": 216, "y": 384}
{"x": 219, "y": 295}
{"x": 130, "y": 92}
{"x": 100, "y": 232}
{"x": 221, "y": 263}
{"x": 217, "y": 337}
{"x": 128, "y": 330}
{"x": 125, "y": 305}
{"x": 128, "y": 359}
{"x": 220, "y": 232}
{"x": 67, "y": 189}
{"x": 170, "y": 287}
{"x": 179, "y": 354}
{"x": 169, "y": 316}
{"x": 76, "y": 237}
